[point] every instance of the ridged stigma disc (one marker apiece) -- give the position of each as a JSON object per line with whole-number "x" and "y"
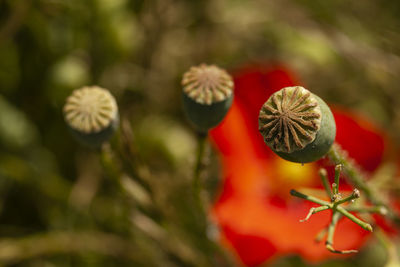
{"x": 90, "y": 109}
{"x": 207, "y": 84}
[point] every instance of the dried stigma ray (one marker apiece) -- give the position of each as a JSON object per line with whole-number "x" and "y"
{"x": 297, "y": 125}
{"x": 90, "y": 109}
{"x": 207, "y": 84}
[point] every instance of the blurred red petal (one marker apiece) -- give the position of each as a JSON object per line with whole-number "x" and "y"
{"x": 360, "y": 138}
{"x": 251, "y": 249}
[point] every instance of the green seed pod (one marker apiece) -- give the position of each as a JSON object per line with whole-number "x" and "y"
{"x": 207, "y": 95}
{"x": 297, "y": 125}
{"x": 91, "y": 113}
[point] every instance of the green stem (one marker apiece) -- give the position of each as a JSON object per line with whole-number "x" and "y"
{"x": 202, "y": 140}
{"x": 324, "y": 177}
{"x": 363, "y": 225}
{"x": 315, "y": 210}
{"x": 346, "y": 199}
{"x": 309, "y": 198}
{"x": 331, "y": 232}
{"x": 335, "y": 187}
{"x": 198, "y": 168}
{"x": 364, "y": 209}
{"x": 217, "y": 250}
{"x": 338, "y": 156}
{"x": 332, "y": 227}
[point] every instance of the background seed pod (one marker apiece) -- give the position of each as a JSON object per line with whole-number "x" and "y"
{"x": 297, "y": 125}
{"x": 207, "y": 95}
{"x": 91, "y": 114}
{"x": 96, "y": 139}
{"x": 205, "y": 117}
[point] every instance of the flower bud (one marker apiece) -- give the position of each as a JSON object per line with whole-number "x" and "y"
{"x": 207, "y": 95}
{"x": 91, "y": 113}
{"x": 297, "y": 125}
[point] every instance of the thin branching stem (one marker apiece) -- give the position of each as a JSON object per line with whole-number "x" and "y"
{"x": 346, "y": 199}
{"x": 331, "y": 231}
{"x": 361, "y": 223}
{"x": 309, "y": 198}
{"x": 368, "y": 209}
{"x": 324, "y": 178}
{"x": 335, "y": 186}
{"x": 355, "y": 176}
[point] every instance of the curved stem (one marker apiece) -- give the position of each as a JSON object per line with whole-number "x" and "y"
{"x": 331, "y": 232}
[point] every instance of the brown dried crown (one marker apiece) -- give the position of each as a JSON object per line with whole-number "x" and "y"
{"x": 290, "y": 119}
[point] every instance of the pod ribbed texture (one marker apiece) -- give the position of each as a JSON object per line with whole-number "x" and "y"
{"x": 290, "y": 119}
{"x": 90, "y": 109}
{"x": 207, "y": 84}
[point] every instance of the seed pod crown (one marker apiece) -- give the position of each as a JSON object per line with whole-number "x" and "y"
{"x": 91, "y": 113}
{"x": 207, "y": 84}
{"x": 207, "y": 95}
{"x": 297, "y": 125}
{"x": 90, "y": 109}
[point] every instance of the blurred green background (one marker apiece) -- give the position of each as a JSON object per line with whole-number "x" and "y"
{"x": 60, "y": 207}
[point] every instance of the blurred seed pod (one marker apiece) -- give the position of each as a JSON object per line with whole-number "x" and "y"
{"x": 207, "y": 95}
{"x": 297, "y": 125}
{"x": 91, "y": 114}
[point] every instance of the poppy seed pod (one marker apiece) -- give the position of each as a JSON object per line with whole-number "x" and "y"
{"x": 91, "y": 113}
{"x": 207, "y": 95}
{"x": 297, "y": 125}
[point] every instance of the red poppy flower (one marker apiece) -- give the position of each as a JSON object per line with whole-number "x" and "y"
{"x": 257, "y": 216}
